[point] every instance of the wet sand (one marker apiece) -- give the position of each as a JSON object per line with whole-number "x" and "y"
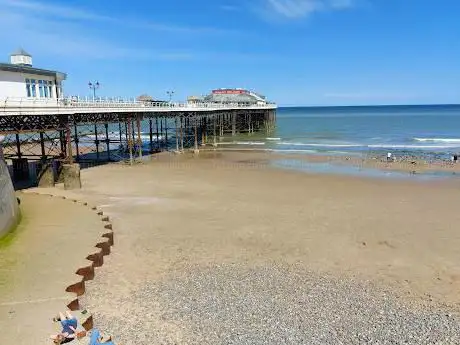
{"x": 179, "y": 214}
{"x": 406, "y": 164}
{"x": 38, "y": 262}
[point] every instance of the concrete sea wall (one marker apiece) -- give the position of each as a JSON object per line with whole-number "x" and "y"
{"x": 9, "y": 208}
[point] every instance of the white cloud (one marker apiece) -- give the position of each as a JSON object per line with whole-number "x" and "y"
{"x": 44, "y": 37}
{"x": 81, "y": 14}
{"x": 57, "y": 30}
{"x": 304, "y": 8}
{"x": 53, "y": 10}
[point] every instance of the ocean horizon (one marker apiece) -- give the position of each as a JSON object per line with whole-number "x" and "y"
{"x": 371, "y": 105}
{"x": 424, "y": 131}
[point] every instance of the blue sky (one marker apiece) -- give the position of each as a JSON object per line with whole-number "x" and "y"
{"x": 296, "y": 52}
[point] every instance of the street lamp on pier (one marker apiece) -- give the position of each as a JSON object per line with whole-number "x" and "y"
{"x": 94, "y": 87}
{"x": 170, "y": 94}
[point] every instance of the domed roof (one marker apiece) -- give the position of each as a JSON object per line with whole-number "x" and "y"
{"x": 145, "y": 98}
{"x": 20, "y": 51}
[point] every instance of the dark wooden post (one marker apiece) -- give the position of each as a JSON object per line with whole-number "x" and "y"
{"x": 107, "y": 140}
{"x": 130, "y": 141}
{"x": 139, "y": 138}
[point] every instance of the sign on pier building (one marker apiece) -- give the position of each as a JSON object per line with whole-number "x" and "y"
{"x": 19, "y": 79}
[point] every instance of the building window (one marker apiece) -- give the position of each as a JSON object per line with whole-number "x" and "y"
{"x": 28, "y": 88}
{"x": 45, "y": 88}
{"x": 33, "y": 87}
{"x": 50, "y": 89}
{"x": 58, "y": 90}
{"x": 41, "y": 90}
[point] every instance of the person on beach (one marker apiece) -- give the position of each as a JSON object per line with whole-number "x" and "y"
{"x": 389, "y": 157}
{"x": 455, "y": 158}
{"x": 69, "y": 325}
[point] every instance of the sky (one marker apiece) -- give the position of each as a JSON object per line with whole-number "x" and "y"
{"x": 296, "y": 52}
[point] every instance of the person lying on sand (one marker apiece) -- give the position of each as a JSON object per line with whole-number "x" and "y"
{"x": 96, "y": 338}
{"x": 69, "y": 325}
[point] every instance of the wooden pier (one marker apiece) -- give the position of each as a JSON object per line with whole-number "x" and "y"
{"x": 52, "y": 132}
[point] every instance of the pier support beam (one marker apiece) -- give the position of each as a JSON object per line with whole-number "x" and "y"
{"x": 157, "y": 134}
{"x": 77, "y": 153}
{"x": 96, "y": 141}
{"x": 42, "y": 144}
{"x": 151, "y": 134}
{"x": 161, "y": 130}
{"x": 214, "y": 143}
{"x": 130, "y": 140}
{"x": 18, "y": 146}
{"x": 176, "y": 134}
{"x": 182, "y": 133}
{"x": 203, "y": 131}
{"x": 166, "y": 134}
{"x": 71, "y": 175}
{"x": 68, "y": 138}
{"x": 107, "y": 140}
{"x": 249, "y": 124}
{"x": 196, "y": 151}
{"x": 139, "y": 138}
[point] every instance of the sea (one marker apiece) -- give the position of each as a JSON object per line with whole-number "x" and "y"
{"x": 427, "y": 131}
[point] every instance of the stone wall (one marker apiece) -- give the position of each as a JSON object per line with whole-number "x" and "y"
{"x": 9, "y": 208}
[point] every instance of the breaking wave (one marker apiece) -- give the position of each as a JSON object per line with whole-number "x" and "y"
{"x": 439, "y": 140}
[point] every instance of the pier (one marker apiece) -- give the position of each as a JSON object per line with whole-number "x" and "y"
{"x": 50, "y": 132}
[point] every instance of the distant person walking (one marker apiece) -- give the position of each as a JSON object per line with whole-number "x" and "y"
{"x": 389, "y": 157}
{"x": 455, "y": 158}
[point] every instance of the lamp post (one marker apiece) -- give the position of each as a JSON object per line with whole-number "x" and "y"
{"x": 94, "y": 87}
{"x": 170, "y": 94}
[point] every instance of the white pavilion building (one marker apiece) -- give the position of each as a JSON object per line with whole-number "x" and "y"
{"x": 18, "y": 79}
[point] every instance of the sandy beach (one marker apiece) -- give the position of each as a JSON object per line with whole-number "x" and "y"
{"x": 196, "y": 236}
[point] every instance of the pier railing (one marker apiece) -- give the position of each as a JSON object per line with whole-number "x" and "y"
{"x": 68, "y": 105}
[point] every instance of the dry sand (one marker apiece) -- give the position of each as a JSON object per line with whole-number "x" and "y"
{"x": 178, "y": 214}
{"x": 231, "y": 208}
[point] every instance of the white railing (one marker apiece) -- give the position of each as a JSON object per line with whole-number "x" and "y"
{"x": 76, "y": 102}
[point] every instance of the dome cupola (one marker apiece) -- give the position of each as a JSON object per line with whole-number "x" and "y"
{"x": 21, "y": 57}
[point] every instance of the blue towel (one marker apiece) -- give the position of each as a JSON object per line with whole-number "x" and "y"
{"x": 94, "y": 340}
{"x": 95, "y": 334}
